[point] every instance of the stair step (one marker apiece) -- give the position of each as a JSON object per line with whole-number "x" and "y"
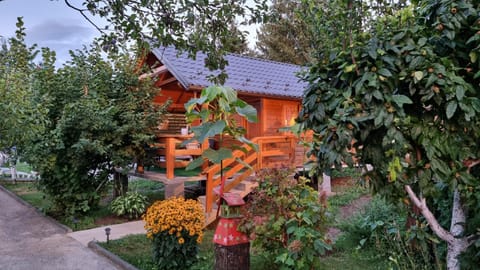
{"x": 247, "y": 185}
{"x": 243, "y": 188}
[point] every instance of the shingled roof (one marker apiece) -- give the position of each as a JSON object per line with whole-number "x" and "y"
{"x": 245, "y": 74}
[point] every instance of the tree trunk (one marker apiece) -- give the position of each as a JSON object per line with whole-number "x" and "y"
{"x": 457, "y": 227}
{"x": 456, "y": 244}
{"x": 120, "y": 184}
{"x": 236, "y": 257}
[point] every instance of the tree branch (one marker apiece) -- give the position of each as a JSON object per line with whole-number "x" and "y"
{"x": 472, "y": 238}
{"x": 85, "y": 16}
{"x": 432, "y": 221}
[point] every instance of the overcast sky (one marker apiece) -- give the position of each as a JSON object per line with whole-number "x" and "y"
{"x": 49, "y": 24}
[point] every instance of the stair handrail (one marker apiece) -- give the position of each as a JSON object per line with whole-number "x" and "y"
{"x": 253, "y": 158}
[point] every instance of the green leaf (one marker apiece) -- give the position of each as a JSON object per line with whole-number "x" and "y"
{"x": 416, "y": 62}
{"x": 431, "y": 79}
{"x": 372, "y": 53}
{"x": 362, "y": 241}
{"x": 379, "y": 118}
{"x": 398, "y": 36}
{"x": 249, "y": 112}
{"x": 477, "y": 75}
{"x": 451, "y": 108}
{"x": 385, "y": 72}
{"x": 460, "y": 92}
{"x": 230, "y": 94}
{"x": 422, "y": 41}
{"x": 191, "y": 104}
{"x": 209, "y": 129}
{"x": 211, "y": 92}
{"x": 473, "y": 56}
{"x": 216, "y": 156}
{"x": 401, "y": 99}
{"x": 378, "y": 95}
{"x": 349, "y": 68}
{"x": 194, "y": 164}
{"x": 223, "y": 105}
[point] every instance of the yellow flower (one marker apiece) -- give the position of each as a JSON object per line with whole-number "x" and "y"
{"x": 173, "y": 216}
{"x": 181, "y": 240}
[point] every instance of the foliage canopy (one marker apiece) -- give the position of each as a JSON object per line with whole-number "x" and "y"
{"x": 190, "y": 26}
{"x": 101, "y": 117}
{"x": 21, "y": 115}
{"x": 405, "y": 94}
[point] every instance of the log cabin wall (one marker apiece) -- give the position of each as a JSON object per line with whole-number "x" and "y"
{"x": 173, "y": 124}
{"x": 278, "y": 113}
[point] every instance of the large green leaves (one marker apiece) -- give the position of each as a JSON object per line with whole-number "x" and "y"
{"x": 217, "y": 107}
{"x": 208, "y": 129}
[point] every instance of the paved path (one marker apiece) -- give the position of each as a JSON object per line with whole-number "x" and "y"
{"x": 117, "y": 231}
{"x": 29, "y": 241}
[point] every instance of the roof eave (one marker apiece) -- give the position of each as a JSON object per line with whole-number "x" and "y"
{"x": 171, "y": 68}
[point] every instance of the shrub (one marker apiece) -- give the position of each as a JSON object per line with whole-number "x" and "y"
{"x": 175, "y": 226}
{"x": 132, "y": 205}
{"x": 381, "y": 227}
{"x": 285, "y": 219}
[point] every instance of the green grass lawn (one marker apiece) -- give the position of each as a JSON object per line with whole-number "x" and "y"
{"x": 23, "y": 167}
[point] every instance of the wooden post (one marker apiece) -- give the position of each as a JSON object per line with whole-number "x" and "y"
{"x": 259, "y": 155}
{"x": 204, "y": 146}
{"x": 170, "y": 157}
{"x": 209, "y": 193}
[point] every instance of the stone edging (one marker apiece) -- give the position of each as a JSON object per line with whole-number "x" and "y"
{"x": 20, "y": 200}
{"x": 112, "y": 257}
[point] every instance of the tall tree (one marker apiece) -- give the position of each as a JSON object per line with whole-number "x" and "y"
{"x": 21, "y": 116}
{"x": 101, "y": 118}
{"x": 341, "y": 23}
{"x": 406, "y": 93}
{"x": 190, "y": 26}
{"x": 285, "y": 38}
{"x": 237, "y": 43}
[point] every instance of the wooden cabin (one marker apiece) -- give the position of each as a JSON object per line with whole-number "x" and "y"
{"x": 273, "y": 88}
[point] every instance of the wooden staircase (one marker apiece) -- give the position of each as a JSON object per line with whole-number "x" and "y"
{"x": 240, "y": 176}
{"x": 243, "y": 189}
{"x": 273, "y": 151}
